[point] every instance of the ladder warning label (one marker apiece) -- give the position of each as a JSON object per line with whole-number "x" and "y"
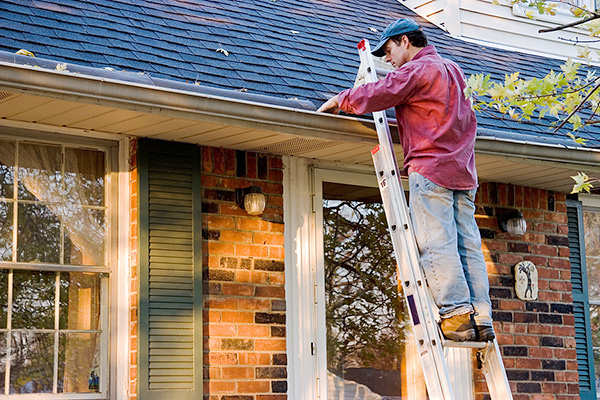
{"x": 413, "y": 309}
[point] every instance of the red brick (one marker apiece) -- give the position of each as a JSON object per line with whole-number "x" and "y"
{"x": 238, "y": 372}
{"x": 214, "y": 358}
{"x": 545, "y": 250}
{"x": 254, "y": 331}
{"x": 512, "y": 305}
{"x": 508, "y": 258}
{"x": 270, "y": 291}
{"x": 540, "y": 352}
{"x": 252, "y": 224}
{"x": 271, "y": 397}
{"x": 240, "y": 317}
{"x": 253, "y": 386}
{"x": 548, "y": 273}
{"x": 559, "y": 263}
{"x": 549, "y": 296}
{"x": 237, "y": 289}
{"x": 268, "y": 239}
{"x": 527, "y": 340}
{"x": 221, "y": 386}
{"x": 565, "y": 354}
{"x": 276, "y": 278}
{"x": 545, "y": 227}
{"x": 564, "y": 252}
{"x": 251, "y": 251}
{"x": 270, "y": 345}
{"x": 221, "y": 303}
{"x": 554, "y": 217}
{"x": 275, "y": 162}
{"x": 494, "y": 245}
{"x": 254, "y": 358}
{"x": 215, "y": 329}
{"x": 254, "y": 304}
{"x": 568, "y": 331}
{"x": 277, "y": 253}
{"x": 529, "y": 363}
{"x": 214, "y": 221}
{"x": 560, "y": 285}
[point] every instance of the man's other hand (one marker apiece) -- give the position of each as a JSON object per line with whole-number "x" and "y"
{"x": 330, "y": 106}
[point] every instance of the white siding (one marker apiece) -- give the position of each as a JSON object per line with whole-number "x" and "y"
{"x": 502, "y": 25}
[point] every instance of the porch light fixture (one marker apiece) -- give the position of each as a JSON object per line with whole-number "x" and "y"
{"x": 251, "y": 199}
{"x": 512, "y": 222}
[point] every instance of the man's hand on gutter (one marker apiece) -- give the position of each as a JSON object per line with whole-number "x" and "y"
{"x": 330, "y": 106}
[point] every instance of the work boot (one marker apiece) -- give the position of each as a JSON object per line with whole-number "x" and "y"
{"x": 485, "y": 333}
{"x": 458, "y": 328}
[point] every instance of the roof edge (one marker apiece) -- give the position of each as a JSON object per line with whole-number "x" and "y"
{"x": 247, "y": 112}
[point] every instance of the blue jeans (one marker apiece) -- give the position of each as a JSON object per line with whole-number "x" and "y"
{"x": 450, "y": 245}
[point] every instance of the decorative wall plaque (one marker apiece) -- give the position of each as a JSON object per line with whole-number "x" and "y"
{"x": 526, "y": 281}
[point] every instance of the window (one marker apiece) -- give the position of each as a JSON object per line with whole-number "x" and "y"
{"x": 53, "y": 270}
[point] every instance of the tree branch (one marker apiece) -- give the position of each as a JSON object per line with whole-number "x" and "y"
{"x": 572, "y": 24}
{"x": 578, "y": 107}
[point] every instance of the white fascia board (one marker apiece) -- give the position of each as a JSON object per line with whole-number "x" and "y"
{"x": 198, "y": 106}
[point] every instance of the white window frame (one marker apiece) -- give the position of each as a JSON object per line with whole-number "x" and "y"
{"x": 115, "y": 310}
{"x": 305, "y": 293}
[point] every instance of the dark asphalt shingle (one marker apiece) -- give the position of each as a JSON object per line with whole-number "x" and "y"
{"x": 284, "y": 48}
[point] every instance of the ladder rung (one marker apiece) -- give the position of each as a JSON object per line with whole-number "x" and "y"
{"x": 465, "y": 345}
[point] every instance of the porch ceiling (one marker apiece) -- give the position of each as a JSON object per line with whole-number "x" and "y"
{"x": 184, "y": 117}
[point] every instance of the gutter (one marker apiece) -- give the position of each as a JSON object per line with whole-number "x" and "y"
{"x": 137, "y": 92}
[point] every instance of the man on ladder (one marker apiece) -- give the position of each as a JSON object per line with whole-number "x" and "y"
{"x": 437, "y": 131}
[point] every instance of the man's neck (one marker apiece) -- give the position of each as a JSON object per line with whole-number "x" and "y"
{"x": 413, "y": 51}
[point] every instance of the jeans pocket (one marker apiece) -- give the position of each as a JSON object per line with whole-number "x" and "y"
{"x": 433, "y": 187}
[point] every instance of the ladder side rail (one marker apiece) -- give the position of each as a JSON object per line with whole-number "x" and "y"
{"x": 495, "y": 374}
{"x": 430, "y": 350}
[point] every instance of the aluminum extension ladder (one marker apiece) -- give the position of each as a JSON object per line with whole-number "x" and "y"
{"x": 431, "y": 344}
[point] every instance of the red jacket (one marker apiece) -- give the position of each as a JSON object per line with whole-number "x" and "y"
{"x": 436, "y": 123}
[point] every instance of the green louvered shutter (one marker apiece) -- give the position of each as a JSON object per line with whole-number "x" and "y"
{"x": 170, "y": 273}
{"x": 581, "y": 308}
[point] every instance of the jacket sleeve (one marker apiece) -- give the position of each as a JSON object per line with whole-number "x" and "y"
{"x": 395, "y": 89}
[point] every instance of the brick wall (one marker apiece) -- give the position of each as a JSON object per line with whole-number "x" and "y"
{"x": 243, "y": 263}
{"x": 536, "y": 337}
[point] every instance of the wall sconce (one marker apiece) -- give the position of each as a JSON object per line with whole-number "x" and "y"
{"x": 512, "y": 221}
{"x": 251, "y": 199}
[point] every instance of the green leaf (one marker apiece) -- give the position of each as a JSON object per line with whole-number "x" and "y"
{"x": 581, "y": 183}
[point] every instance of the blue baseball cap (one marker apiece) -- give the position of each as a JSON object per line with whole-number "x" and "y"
{"x": 399, "y": 27}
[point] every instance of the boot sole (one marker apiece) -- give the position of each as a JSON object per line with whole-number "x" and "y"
{"x": 486, "y": 334}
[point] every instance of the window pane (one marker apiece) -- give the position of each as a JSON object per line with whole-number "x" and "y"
{"x": 39, "y": 172}
{"x": 591, "y": 222}
{"x": 79, "y": 301}
{"x": 33, "y": 299}
{"x": 3, "y": 300}
{"x": 84, "y": 236}
{"x": 38, "y": 234}
{"x": 32, "y": 362}
{"x": 7, "y": 169}
{"x": 84, "y": 176}
{"x": 367, "y": 323}
{"x": 79, "y": 365}
{"x": 6, "y": 231}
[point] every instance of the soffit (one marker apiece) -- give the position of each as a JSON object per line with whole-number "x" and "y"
{"x": 96, "y": 120}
